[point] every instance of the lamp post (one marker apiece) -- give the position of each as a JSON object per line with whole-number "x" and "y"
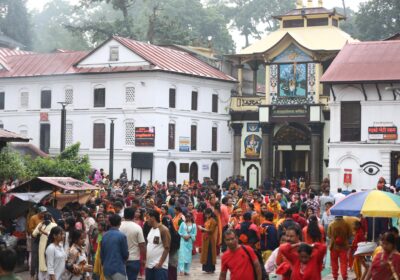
{"x": 111, "y": 163}
{"x": 63, "y": 124}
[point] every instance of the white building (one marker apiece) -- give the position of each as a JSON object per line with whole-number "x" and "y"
{"x": 365, "y": 106}
{"x": 146, "y": 89}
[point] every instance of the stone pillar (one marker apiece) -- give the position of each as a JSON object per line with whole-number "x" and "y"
{"x": 277, "y": 162}
{"x": 240, "y": 78}
{"x": 237, "y": 144}
{"x": 316, "y": 155}
{"x": 267, "y": 151}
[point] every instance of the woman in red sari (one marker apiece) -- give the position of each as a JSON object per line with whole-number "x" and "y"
{"x": 199, "y": 220}
{"x": 307, "y": 262}
{"x": 386, "y": 264}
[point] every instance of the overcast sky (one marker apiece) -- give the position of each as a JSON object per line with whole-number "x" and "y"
{"x": 353, "y": 4}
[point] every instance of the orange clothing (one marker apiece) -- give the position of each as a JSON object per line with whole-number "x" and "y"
{"x": 307, "y": 238}
{"x": 175, "y": 221}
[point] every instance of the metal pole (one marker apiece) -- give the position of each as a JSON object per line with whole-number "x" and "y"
{"x": 63, "y": 126}
{"x": 111, "y": 166}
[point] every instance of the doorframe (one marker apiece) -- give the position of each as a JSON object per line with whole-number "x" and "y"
{"x": 248, "y": 174}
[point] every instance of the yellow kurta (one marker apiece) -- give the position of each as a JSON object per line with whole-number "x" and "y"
{"x": 43, "y": 242}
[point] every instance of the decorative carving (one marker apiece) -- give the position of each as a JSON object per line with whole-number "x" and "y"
{"x": 311, "y": 78}
{"x": 237, "y": 128}
{"x": 250, "y": 102}
{"x": 292, "y": 100}
{"x": 273, "y": 79}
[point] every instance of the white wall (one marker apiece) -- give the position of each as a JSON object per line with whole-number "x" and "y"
{"x": 149, "y": 109}
{"x": 353, "y": 154}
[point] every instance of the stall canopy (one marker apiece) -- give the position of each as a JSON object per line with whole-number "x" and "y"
{"x": 54, "y": 184}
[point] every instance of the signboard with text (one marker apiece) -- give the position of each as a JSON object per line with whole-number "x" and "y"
{"x": 144, "y": 136}
{"x": 382, "y": 133}
{"x": 184, "y": 144}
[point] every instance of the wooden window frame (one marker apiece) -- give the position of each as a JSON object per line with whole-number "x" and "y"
{"x": 195, "y": 96}
{"x": 97, "y": 144}
{"x": 171, "y": 136}
{"x": 2, "y": 100}
{"x": 193, "y": 137}
{"x": 214, "y": 103}
{"x": 45, "y": 104}
{"x": 214, "y": 139}
{"x": 96, "y": 102}
{"x": 172, "y": 98}
{"x": 350, "y": 123}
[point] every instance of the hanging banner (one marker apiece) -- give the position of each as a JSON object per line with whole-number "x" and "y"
{"x": 347, "y": 176}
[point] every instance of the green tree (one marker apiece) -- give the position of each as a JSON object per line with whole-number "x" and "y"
{"x": 12, "y": 165}
{"x": 15, "y": 23}
{"x": 378, "y": 19}
{"x": 68, "y": 164}
{"x": 50, "y": 31}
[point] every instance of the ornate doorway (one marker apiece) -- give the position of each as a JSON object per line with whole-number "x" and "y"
{"x": 171, "y": 172}
{"x": 290, "y": 162}
{"x": 214, "y": 172}
{"x": 252, "y": 176}
{"x": 194, "y": 172}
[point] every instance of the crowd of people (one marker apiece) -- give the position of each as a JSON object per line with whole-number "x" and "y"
{"x": 128, "y": 230}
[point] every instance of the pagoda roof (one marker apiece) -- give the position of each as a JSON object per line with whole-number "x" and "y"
{"x": 310, "y": 11}
{"x": 317, "y": 38}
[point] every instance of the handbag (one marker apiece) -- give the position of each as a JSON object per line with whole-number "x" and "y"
{"x": 251, "y": 261}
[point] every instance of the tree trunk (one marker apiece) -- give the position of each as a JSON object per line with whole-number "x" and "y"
{"x": 124, "y": 9}
{"x": 344, "y": 7}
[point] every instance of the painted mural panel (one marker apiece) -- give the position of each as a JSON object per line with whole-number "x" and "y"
{"x": 292, "y": 54}
{"x": 293, "y": 80}
{"x": 252, "y": 146}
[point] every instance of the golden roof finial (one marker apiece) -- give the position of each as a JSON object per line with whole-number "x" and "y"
{"x": 320, "y": 3}
{"x": 299, "y": 4}
{"x": 309, "y": 3}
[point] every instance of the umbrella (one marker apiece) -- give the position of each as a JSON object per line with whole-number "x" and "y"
{"x": 372, "y": 203}
{"x": 34, "y": 197}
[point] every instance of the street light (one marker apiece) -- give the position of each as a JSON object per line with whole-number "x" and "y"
{"x": 63, "y": 124}
{"x": 111, "y": 163}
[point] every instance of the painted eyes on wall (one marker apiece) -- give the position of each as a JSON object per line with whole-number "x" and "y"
{"x": 371, "y": 167}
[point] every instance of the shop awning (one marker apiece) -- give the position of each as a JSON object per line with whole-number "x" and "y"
{"x": 53, "y": 183}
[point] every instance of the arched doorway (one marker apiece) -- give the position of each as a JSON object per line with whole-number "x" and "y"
{"x": 252, "y": 176}
{"x": 193, "y": 172}
{"x": 214, "y": 172}
{"x": 289, "y": 161}
{"x": 171, "y": 172}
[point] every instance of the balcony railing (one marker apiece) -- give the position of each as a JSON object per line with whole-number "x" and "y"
{"x": 247, "y": 103}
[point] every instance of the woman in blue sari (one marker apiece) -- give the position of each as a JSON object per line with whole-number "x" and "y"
{"x": 187, "y": 231}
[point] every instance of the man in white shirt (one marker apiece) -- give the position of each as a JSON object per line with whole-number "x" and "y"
{"x": 158, "y": 245}
{"x": 136, "y": 243}
{"x": 339, "y": 196}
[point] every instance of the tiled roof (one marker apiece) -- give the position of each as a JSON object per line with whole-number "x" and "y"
{"x": 365, "y": 62}
{"x": 8, "y": 136}
{"x": 25, "y": 64}
{"x": 309, "y": 11}
{"x": 171, "y": 60}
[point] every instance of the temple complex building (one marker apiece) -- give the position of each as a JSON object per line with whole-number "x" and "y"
{"x": 284, "y": 132}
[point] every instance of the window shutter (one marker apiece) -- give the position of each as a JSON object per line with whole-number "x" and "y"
{"x": 99, "y": 136}
{"x": 24, "y": 99}
{"x": 194, "y": 100}
{"x": 130, "y": 133}
{"x": 171, "y": 136}
{"x": 99, "y": 97}
{"x": 350, "y": 120}
{"x": 215, "y": 103}
{"x": 45, "y": 137}
{"x": 69, "y": 95}
{"x": 214, "y": 136}
{"x": 130, "y": 95}
{"x": 46, "y": 99}
{"x": 2, "y": 94}
{"x": 68, "y": 135}
{"x": 172, "y": 97}
{"x": 193, "y": 137}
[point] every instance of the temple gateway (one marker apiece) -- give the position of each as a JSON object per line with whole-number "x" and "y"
{"x": 281, "y": 131}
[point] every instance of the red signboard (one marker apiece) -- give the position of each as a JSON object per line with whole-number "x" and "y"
{"x": 347, "y": 176}
{"x": 382, "y": 133}
{"x": 44, "y": 117}
{"x": 144, "y": 136}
